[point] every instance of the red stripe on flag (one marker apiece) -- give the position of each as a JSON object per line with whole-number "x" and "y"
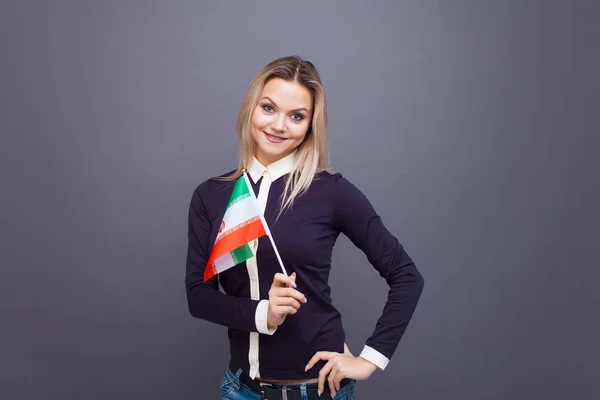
{"x": 230, "y": 242}
{"x": 210, "y": 271}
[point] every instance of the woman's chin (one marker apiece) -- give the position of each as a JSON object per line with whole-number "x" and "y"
{"x": 272, "y": 155}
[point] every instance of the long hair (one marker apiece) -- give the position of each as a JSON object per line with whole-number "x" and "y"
{"x": 312, "y": 155}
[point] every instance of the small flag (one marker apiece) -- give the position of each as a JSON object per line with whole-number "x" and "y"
{"x": 242, "y": 223}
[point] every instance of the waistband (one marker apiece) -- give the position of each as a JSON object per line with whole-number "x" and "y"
{"x": 255, "y": 385}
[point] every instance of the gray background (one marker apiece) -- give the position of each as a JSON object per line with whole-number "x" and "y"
{"x": 471, "y": 125}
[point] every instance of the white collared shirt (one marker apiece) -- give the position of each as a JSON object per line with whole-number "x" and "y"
{"x": 269, "y": 173}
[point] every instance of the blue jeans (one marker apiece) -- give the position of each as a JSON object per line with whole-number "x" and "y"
{"x": 233, "y": 389}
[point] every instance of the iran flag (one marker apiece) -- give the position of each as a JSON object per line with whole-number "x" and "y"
{"x": 242, "y": 223}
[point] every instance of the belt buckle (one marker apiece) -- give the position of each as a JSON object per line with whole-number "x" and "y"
{"x": 262, "y": 385}
{"x": 284, "y": 390}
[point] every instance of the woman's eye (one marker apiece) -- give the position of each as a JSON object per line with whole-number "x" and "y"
{"x": 267, "y": 107}
{"x": 297, "y": 117}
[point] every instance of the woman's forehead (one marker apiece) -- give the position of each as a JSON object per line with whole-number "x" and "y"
{"x": 289, "y": 95}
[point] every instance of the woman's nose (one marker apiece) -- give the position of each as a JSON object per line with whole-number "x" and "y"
{"x": 279, "y": 124}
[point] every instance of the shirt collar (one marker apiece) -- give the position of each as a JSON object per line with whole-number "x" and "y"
{"x": 277, "y": 169}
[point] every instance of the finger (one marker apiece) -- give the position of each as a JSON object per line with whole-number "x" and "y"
{"x": 285, "y": 310}
{"x": 331, "y": 379}
{"x": 280, "y": 279}
{"x": 293, "y": 279}
{"x": 288, "y": 292}
{"x": 319, "y": 355}
{"x": 322, "y": 376}
{"x": 285, "y": 301}
{"x": 337, "y": 378}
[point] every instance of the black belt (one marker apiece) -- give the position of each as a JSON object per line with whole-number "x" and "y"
{"x": 281, "y": 391}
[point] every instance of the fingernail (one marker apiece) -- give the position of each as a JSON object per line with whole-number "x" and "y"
{"x": 332, "y": 395}
{"x": 306, "y": 368}
{"x": 319, "y": 392}
{"x": 305, "y": 300}
{"x": 294, "y": 284}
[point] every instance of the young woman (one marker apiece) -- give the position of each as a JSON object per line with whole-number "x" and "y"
{"x": 286, "y": 337}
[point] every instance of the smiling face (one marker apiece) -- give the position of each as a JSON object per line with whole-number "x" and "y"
{"x": 280, "y": 120}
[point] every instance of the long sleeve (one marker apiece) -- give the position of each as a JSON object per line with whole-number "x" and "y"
{"x": 356, "y": 218}
{"x": 205, "y": 301}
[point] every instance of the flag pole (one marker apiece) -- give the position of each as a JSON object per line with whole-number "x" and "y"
{"x": 262, "y": 217}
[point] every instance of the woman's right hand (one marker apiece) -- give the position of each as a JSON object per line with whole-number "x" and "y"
{"x": 284, "y": 299}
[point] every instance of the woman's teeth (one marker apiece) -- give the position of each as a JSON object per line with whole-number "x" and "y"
{"x": 274, "y": 139}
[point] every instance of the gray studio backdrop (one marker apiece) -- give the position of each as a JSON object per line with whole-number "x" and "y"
{"x": 471, "y": 125}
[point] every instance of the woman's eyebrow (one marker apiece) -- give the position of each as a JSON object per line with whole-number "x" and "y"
{"x": 275, "y": 104}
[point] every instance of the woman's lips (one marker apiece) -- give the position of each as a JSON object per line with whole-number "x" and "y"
{"x": 273, "y": 138}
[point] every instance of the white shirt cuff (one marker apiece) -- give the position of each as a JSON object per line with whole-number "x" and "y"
{"x": 372, "y": 355}
{"x": 260, "y": 317}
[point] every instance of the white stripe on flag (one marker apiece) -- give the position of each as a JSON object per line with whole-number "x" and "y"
{"x": 224, "y": 262}
{"x": 240, "y": 212}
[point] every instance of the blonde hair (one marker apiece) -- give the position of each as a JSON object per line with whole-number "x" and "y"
{"x": 312, "y": 155}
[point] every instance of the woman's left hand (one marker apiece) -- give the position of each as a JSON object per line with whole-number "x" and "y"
{"x": 340, "y": 366}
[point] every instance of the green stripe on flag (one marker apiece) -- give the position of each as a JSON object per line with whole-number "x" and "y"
{"x": 240, "y": 192}
{"x": 241, "y": 254}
